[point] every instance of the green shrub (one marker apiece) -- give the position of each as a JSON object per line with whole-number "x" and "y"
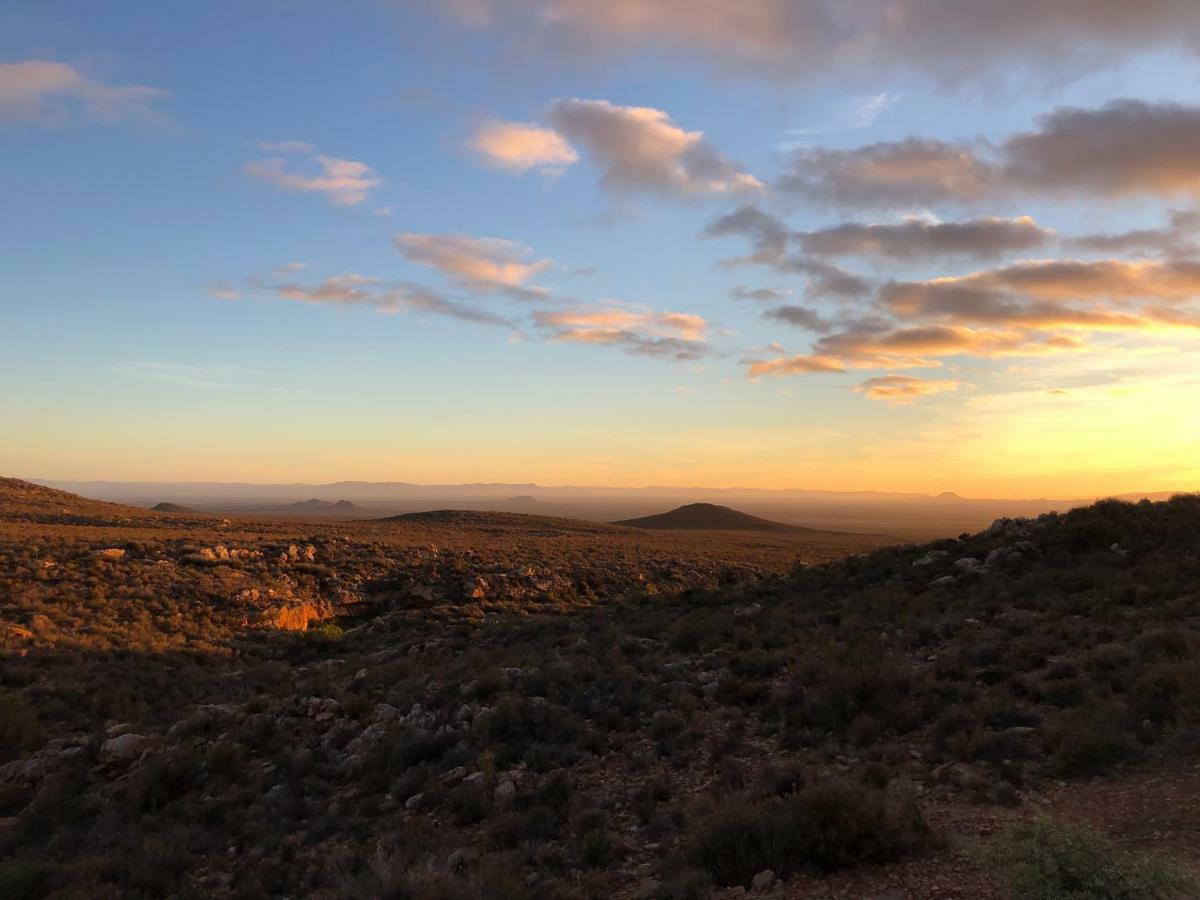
{"x": 1043, "y": 861}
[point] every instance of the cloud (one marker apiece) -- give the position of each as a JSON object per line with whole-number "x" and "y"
{"x": 767, "y": 234}
{"x": 894, "y": 174}
{"x": 947, "y": 39}
{"x": 876, "y": 346}
{"x": 800, "y": 317}
{"x": 519, "y": 147}
{"x": 222, "y": 290}
{"x": 912, "y": 239}
{"x": 640, "y": 148}
{"x": 481, "y": 265}
{"x": 1032, "y": 308}
{"x": 795, "y": 365}
{"x": 871, "y": 108}
{"x": 1068, "y": 279}
{"x": 1177, "y": 238}
{"x": 904, "y": 389}
{"x": 352, "y": 289}
{"x": 1101, "y": 295}
{"x": 636, "y": 330}
{"x": 769, "y": 238}
{"x": 46, "y": 90}
{"x": 345, "y": 182}
{"x": 760, "y": 294}
{"x": 1124, "y": 148}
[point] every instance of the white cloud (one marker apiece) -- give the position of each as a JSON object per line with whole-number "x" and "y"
{"x": 519, "y": 147}
{"x": 871, "y": 108}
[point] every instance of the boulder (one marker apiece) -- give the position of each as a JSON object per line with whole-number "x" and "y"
{"x": 127, "y": 747}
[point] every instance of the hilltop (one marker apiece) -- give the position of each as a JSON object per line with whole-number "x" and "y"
{"x": 172, "y": 508}
{"x": 709, "y": 516}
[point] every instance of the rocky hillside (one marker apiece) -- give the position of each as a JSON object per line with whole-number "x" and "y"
{"x": 869, "y": 727}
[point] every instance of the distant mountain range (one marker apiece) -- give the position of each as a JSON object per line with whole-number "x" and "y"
{"x": 375, "y": 492}
{"x": 908, "y": 515}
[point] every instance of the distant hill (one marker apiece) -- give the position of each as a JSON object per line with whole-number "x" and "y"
{"x": 709, "y": 517}
{"x": 24, "y": 501}
{"x": 172, "y": 508}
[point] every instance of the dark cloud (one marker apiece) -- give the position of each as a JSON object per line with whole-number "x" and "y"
{"x": 983, "y": 238}
{"x": 764, "y": 294}
{"x": 801, "y": 317}
{"x": 1177, "y": 238}
{"x": 767, "y": 234}
{"x": 893, "y": 175}
{"x": 351, "y": 289}
{"x": 640, "y": 148}
{"x": 768, "y": 237}
{"x": 950, "y": 40}
{"x": 1125, "y": 148}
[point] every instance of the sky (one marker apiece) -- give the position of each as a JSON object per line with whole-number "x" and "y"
{"x": 910, "y": 245}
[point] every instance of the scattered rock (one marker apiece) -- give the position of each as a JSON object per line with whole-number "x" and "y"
{"x": 763, "y": 881}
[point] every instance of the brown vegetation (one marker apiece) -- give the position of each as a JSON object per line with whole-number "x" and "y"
{"x": 499, "y": 706}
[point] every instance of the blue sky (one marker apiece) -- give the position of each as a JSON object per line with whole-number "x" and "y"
{"x": 150, "y": 326}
